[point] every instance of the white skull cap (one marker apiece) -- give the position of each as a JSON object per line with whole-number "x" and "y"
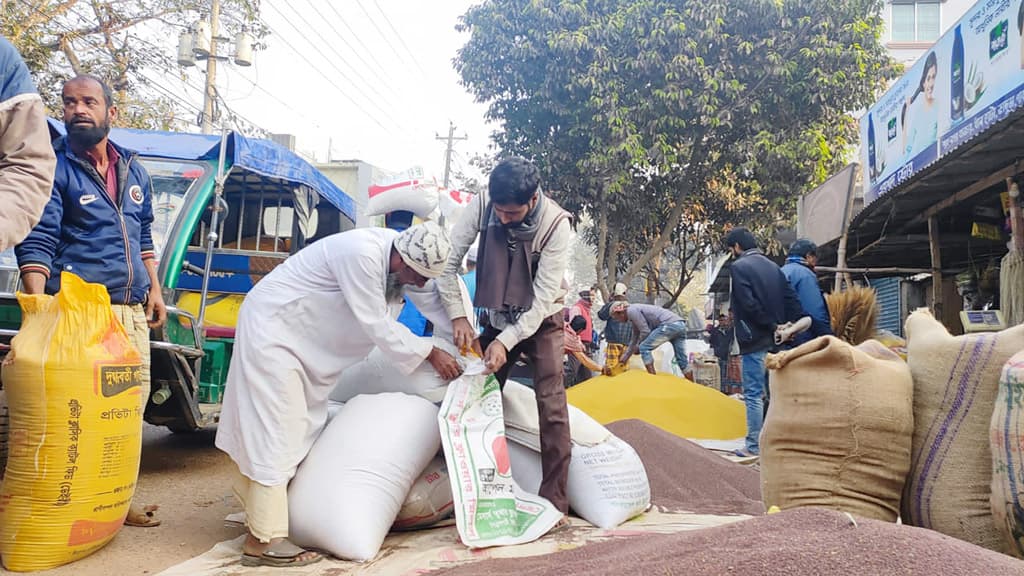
{"x": 424, "y": 248}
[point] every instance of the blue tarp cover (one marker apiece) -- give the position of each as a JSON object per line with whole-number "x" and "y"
{"x": 255, "y": 155}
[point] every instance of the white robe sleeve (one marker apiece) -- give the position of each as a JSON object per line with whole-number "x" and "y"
{"x": 360, "y": 278}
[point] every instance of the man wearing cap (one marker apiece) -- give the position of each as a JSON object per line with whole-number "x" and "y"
{"x": 524, "y": 251}
{"x": 652, "y": 327}
{"x": 324, "y": 309}
{"x": 799, "y": 271}
{"x": 616, "y": 332}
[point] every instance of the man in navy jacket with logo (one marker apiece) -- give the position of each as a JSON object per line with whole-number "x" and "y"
{"x": 97, "y": 226}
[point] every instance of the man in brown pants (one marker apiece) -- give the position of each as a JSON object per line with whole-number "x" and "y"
{"x": 521, "y": 261}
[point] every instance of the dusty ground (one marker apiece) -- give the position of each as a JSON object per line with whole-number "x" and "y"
{"x": 191, "y": 481}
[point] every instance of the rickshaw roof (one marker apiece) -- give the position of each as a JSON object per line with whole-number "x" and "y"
{"x": 262, "y": 157}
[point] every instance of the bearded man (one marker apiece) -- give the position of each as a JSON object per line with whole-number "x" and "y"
{"x": 324, "y": 309}
{"x": 97, "y": 225}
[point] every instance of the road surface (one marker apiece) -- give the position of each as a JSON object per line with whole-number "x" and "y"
{"x": 191, "y": 481}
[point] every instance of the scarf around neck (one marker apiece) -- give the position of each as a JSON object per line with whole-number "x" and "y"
{"x": 504, "y": 279}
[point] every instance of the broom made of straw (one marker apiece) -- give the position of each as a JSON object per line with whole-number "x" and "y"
{"x": 853, "y": 312}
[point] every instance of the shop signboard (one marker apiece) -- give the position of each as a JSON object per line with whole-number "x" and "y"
{"x": 969, "y": 80}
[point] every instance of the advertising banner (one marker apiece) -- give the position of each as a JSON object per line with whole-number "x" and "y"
{"x": 970, "y": 79}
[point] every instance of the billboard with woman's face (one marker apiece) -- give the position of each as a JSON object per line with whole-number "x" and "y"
{"x": 970, "y": 79}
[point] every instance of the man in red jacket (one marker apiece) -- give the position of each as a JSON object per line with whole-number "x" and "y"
{"x": 582, "y": 309}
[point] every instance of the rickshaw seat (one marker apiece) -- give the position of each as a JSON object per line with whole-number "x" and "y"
{"x": 227, "y": 332}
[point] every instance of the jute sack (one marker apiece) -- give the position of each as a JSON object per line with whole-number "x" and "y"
{"x": 1006, "y": 437}
{"x": 838, "y": 429}
{"x": 956, "y": 380}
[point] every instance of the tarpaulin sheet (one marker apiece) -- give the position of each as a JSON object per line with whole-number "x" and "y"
{"x": 262, "y": 157}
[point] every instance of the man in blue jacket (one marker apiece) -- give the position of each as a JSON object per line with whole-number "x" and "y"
{"x": 799, "y": 271}
{"x": 97, "y": 225}
{"x": 761, "y": 300}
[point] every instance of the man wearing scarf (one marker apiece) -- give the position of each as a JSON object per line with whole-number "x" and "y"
{"x": 521, "y": 260}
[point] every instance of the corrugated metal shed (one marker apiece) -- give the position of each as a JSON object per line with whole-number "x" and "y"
{"x": 887, "y": 290}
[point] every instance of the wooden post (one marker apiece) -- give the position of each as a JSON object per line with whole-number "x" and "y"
{"x": 1016, "y": 222}
{"x": 933, "y": 242}
{"x": 842, "y": 278}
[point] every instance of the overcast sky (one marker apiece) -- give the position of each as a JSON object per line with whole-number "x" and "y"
{"x": 369, "y": 79}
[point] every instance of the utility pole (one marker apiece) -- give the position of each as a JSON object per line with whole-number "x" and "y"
{"x": 210, "y": 95}
{"x": 448, "y": 152}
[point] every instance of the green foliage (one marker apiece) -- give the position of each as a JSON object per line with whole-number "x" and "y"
{"x": 659, "y": 117}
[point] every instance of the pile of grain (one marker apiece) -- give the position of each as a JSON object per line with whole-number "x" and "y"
{"x": 799, "y": 542}
{"x": 688, "y": 477}
{"x": 671, "y": 403}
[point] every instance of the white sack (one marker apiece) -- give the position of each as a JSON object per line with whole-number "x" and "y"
{"x": 490, "y": 508}
{"x": 378, "y": 374}
{"x": 347, "y": 492}
{"x": 607, "y": 482}
{"x": 416, "y": 196}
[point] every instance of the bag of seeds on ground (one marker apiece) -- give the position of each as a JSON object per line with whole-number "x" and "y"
{"x": 838, "y": 429}
{"x": 74, "y": 386}
{"x": 607, "y": 482}
{"x": 429, "y": 500}
{"x": 1006, "y": 438}
{"x": 956, "y": 380}
{"x": 490, "y": 508}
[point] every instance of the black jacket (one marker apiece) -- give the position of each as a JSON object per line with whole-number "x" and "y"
{"x": 761, "y": 299}
{"x": 721, "y": 341}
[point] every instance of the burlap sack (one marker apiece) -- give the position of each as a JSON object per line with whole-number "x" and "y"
{"x": 838, "y": 429}
{"x": 1006, "y": 437}
{"x": 955, "y": 384}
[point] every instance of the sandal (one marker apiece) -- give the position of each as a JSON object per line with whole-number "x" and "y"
{"x": 281, "y": 554}
{"x": 144, "y": 518}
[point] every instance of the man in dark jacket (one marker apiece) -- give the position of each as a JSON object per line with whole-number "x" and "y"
{"x": 799, "y": 271}
{"x": 761, "y": 300}
{"x": 720, "y": 338}
{"x": 97, "y": 225}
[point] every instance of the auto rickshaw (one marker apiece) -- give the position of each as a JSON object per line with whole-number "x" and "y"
{"x": 227, "y": 210}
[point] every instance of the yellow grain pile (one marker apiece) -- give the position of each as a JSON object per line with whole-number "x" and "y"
{"x": 671, "y": 403}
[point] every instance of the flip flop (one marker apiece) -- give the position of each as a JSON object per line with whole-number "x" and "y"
{"x": 142, "y": 519}
{"x": 281, "y": 554}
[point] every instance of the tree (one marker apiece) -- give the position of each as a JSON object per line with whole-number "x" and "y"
{"x": 650, "y": 114}
{"x": 118, "y": 40}
{"x": 473, "y": 178}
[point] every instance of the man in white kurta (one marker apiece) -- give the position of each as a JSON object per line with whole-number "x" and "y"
{"x": 322, "y": 310}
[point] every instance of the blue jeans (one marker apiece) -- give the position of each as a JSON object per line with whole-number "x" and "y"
{"x": 753, "y": 397}
{"x": 674, "y": 332}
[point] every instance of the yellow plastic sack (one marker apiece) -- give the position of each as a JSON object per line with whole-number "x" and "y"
{"x": 74, "y": 386}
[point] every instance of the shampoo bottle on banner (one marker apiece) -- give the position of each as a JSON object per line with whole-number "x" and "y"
{"x": 872, "y": 171}
{"x": 956, "y": 93}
